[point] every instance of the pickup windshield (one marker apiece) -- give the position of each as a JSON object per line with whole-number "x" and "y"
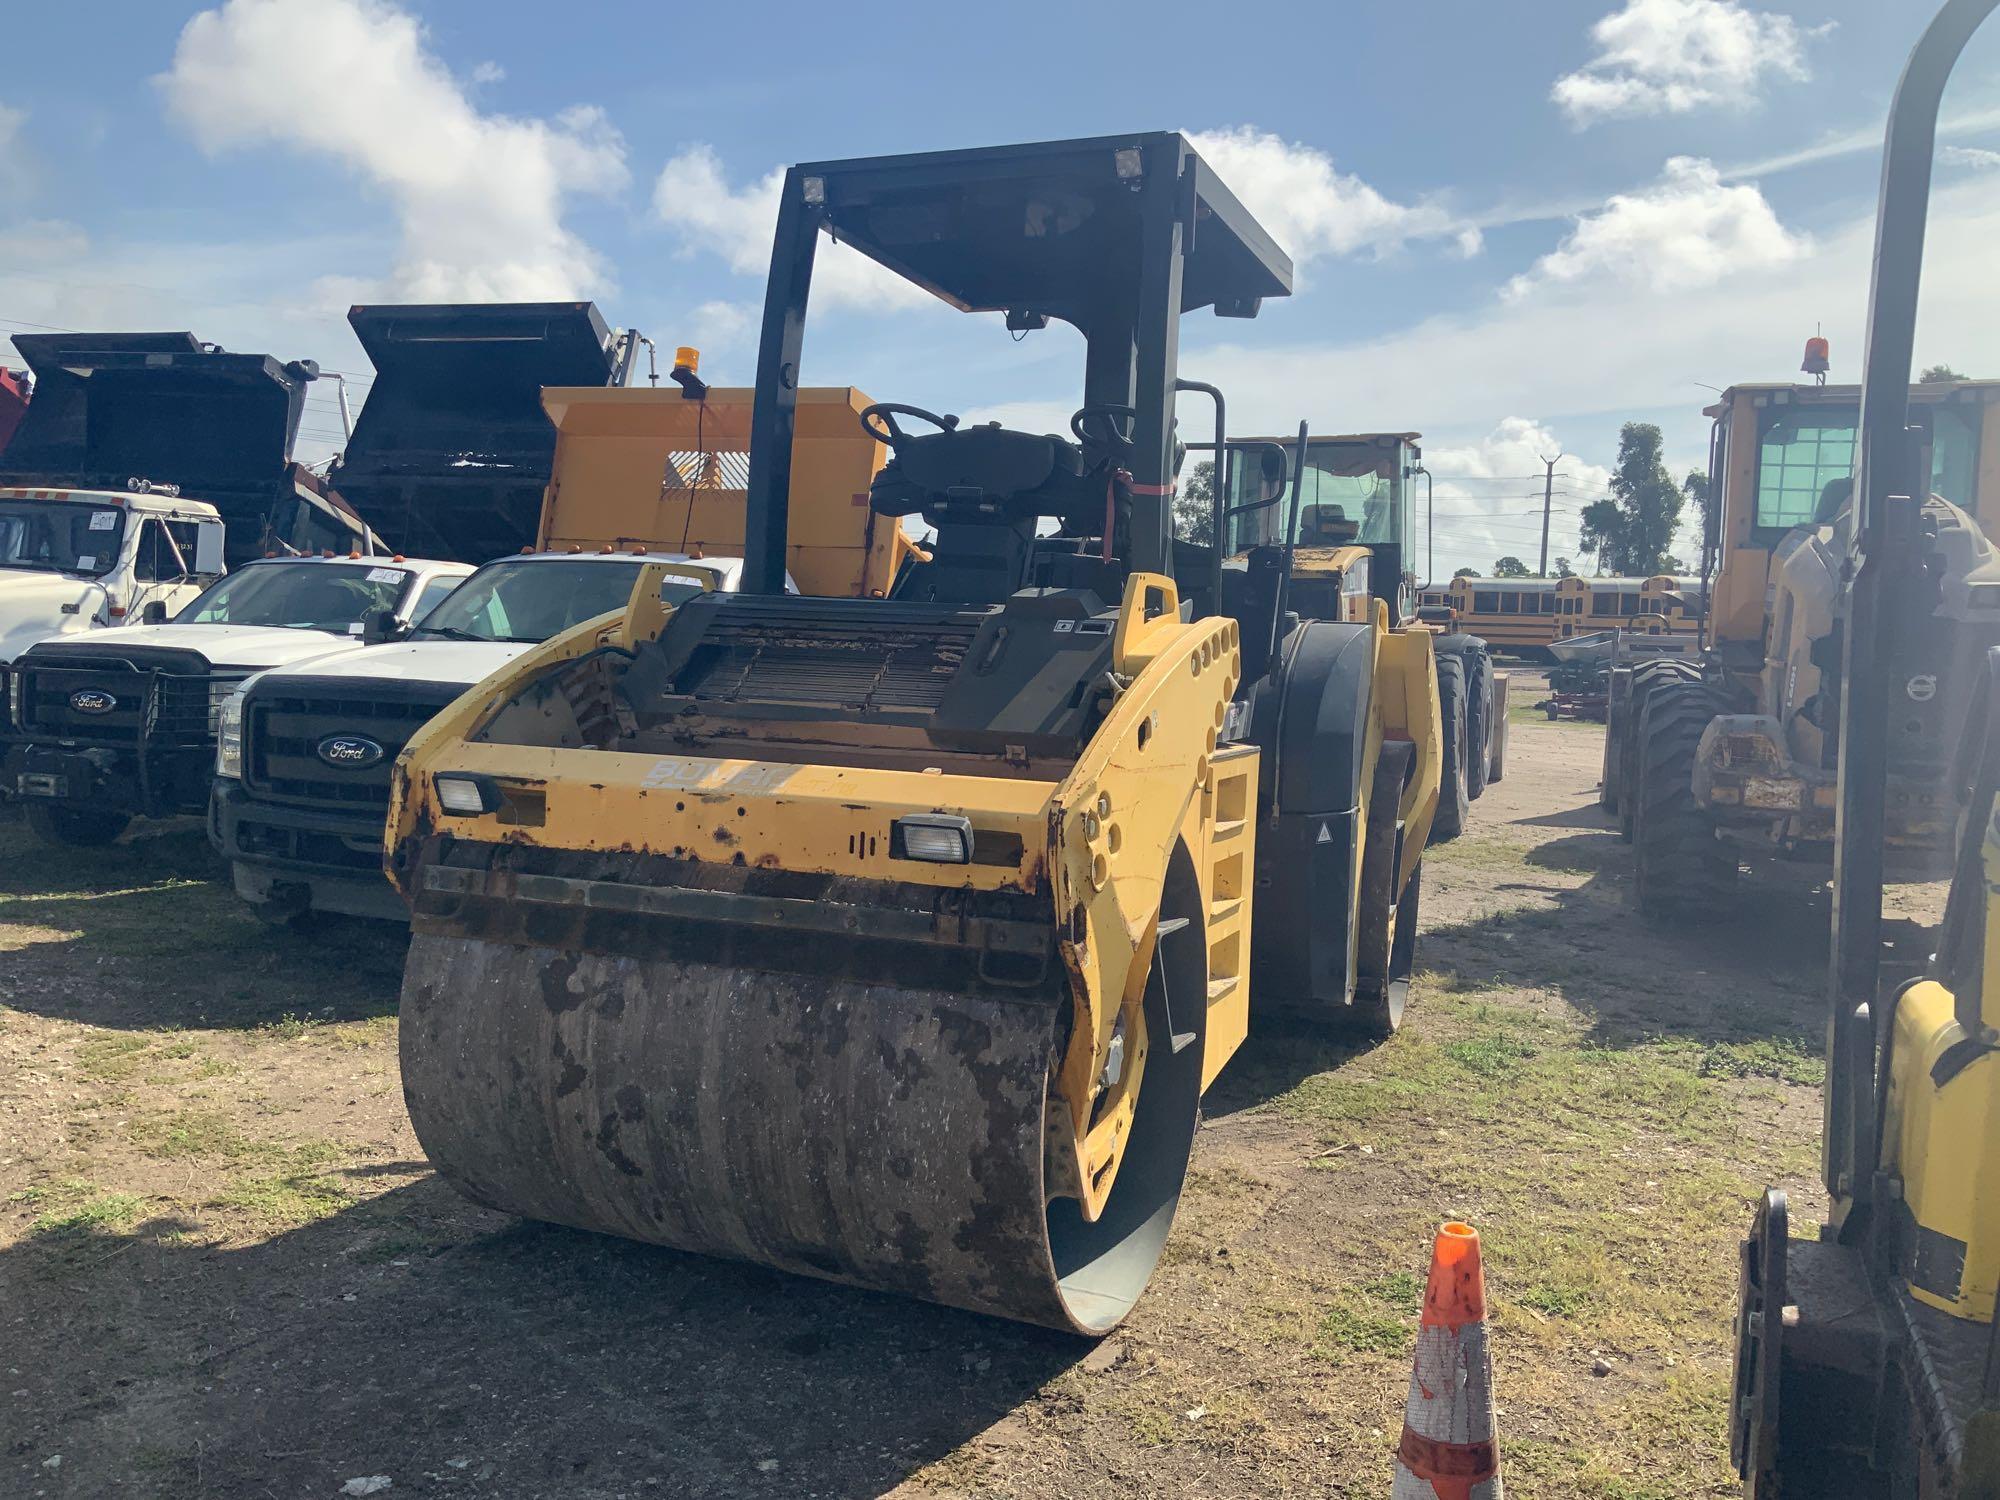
{"x": 60, "y": 536}
{"x": 533, "y": 598}
{"x": 298, "y": 595}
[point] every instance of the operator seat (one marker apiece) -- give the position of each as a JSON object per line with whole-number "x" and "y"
{"x": 1326, "y": 526}
{"x": 983, "y": 489}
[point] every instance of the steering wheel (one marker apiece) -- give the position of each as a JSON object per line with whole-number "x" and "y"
{"x": 886, "y": 413}
{"x": 1105, "y": 425}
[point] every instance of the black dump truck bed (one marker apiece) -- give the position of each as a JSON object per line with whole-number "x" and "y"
{"x": 110, "y": 408}
{"x": 452, "y": 451}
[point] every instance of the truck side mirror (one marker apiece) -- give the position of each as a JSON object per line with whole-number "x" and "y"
{"x": 379, "y": 625}
{"x": 208, "y": 549}
{"x": 154, "y": 612}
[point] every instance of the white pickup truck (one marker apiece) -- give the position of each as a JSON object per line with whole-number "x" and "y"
{"x": 119, "y": 723}
{"x": 304, "y": 754}
{"x": 75, "y": 560}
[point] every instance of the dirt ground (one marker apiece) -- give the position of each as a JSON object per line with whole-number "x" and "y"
{"x": 225, "y": 1269}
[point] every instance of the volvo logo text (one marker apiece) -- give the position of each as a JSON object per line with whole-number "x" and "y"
{"x": 350, "y": 751}
{"x": 92, "y": 701}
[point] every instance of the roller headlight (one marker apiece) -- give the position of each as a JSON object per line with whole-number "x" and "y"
{"x": 937, "y": 838}
{"x": 466, "y": 796}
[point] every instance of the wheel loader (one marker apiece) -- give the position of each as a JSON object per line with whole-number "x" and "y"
{"x": 1357, "y": 542}
{"x": 1726, "y": 756}
{"x": 1868, "y": 1359}
{"x": 894, "y": 941}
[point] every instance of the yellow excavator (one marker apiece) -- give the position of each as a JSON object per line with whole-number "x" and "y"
{"x": 895, "y": 941}
{"x": 1868, "y": 1358}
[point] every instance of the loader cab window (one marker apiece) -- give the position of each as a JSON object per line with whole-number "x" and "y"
{"x": 1954, "y": 433}
{"x": 1802, "y": 449}
{"x": 1350, "y": 493}
{"x": 530, "y": 599}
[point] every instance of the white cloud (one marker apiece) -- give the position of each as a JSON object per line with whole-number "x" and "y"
{"x": 1672, "y": 56}
{"x": 1691, "y": 229}
{"x": 480, "y": 197}
{"x": 1311, "y": 207}
{"x": 1606, "y": 352}
{"x": 1488, "y": 499}
{"x": 43, "y": 242}
{"x": 694, "y": 200}
{"x": 1968, "y": 156}
{"x": 488, "y": 72}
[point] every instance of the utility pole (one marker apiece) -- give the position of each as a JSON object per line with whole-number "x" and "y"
{"x": 1548, "y": 501}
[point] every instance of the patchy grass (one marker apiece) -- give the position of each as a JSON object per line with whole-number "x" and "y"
{"x": 285, "y": 1200}
{"x": 101, "y": 1211}
{"x": 1608, "y": 1183}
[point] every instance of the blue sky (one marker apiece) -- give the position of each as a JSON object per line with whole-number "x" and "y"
{"x": 1517, "y": 226}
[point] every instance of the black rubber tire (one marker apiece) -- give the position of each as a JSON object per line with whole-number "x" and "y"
{"x": 300, "y": 921}
{"x": 1646, "y": 676}
{"x": 1453, "y": 803}
{"x": 1685, "y": 872}
{"x": 1610, "y": 772}
{"x": 76, "y": 827}
{"x": 1479, "y": 717}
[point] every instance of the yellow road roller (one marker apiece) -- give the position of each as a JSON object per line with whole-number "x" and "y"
{"x": 894, "y": 941}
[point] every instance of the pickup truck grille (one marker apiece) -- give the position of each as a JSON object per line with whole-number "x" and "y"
{"x": 145, "y": 703}
{"x": 289, "y": 725}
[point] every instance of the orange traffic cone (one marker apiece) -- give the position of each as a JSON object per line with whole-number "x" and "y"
{"x": 1448, "y": 1451}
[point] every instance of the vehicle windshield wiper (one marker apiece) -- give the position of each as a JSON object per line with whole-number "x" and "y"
{"x": 453, "y": 633}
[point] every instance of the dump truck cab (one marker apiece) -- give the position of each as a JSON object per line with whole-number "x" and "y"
{"x": 894, "y": 940}
{"x": 303, "y": 752}
{"x": 183, "y": 418}
{"x": 120, "y": 723}
{"x": 74, "y": 561}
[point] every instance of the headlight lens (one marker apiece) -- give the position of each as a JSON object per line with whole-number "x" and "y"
{"x": 219, "y": 691}
{"x": 936, "y": 838}
{"x": 229, "y": 736}
{"x": 467, "y": 796}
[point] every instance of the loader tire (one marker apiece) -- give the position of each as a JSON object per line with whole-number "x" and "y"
{"x": 1646, "y": 677}
{"x": 76, "y": 827}
{"x": 1453, "y": 801}
{"x": 1478, "y": 716}
{"x": 1684, "y": 871}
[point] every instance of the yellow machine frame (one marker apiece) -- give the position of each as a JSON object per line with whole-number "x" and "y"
{"x": 1098, "y": 839}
